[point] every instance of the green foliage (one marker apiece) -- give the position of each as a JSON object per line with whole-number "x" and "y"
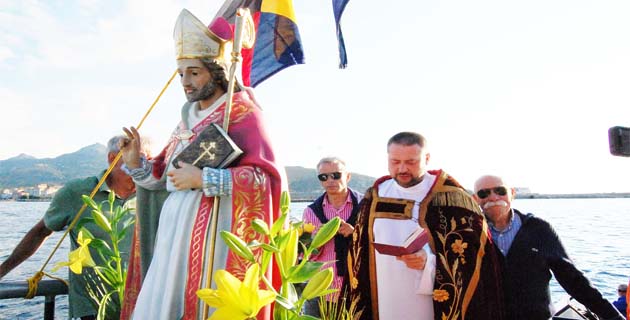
{"x": 282, "y": 245}
{"x": 106, "y": 285}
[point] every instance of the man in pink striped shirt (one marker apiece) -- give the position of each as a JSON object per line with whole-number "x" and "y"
{"x": 337, "y": 201}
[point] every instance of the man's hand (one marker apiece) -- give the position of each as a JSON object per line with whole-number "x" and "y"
{"x": 131, "y": 148}
{"x": 186, "y": 177}
{"x": 345, "y": 229}
{"x": 415, "y": 261}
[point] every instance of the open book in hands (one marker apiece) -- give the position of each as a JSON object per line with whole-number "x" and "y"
{"x": 413, "y": 243}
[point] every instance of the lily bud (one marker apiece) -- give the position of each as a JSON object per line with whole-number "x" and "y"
{"x": 326, "y": 232}
{"x": 238, "y": 246}
{"x": 318, "y": 284}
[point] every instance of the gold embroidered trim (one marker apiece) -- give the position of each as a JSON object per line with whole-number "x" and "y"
{"x": 372, "y": 266}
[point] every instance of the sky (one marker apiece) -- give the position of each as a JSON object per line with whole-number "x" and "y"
{"x": 522, "y": 89}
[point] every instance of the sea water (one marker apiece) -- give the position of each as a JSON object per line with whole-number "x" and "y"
{"x": 595, "y": 233}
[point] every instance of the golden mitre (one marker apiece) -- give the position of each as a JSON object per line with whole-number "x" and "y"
{"x": 193, "y": 40}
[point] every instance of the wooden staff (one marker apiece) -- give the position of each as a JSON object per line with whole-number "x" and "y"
{"x": 242, "y": 16}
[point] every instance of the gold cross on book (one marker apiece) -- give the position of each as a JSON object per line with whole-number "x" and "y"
{"x": 208, "y": 149}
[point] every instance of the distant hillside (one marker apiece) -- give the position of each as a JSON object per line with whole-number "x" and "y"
{"x": 26, "y": 171}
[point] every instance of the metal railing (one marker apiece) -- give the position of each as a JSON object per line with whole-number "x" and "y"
{"x": 46, "y": 288}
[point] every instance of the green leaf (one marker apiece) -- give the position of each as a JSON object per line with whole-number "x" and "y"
{"x": 326, "y": 232}
{"x": 117, "y": 214}
{"x": 299, "y": 274}
{"x": 105, "y": 275}
{"x": 238, "y": 246}
{"x": 269, "y": 248}
{"x": 306, "y": 317}
{"x": 86, "y": 233}
{"x": 284, "y": 302}
{"x": 278, "y": 225}
{"x": 328, "y": 291}
{"x": 279, "y": 312}
{"x": 83, "y": 221}
{"x": 102, "y": 305}
{"x": 291, "y": 294}
{"x": 318, "y": 284}
{"x": 285, "y": 202}
{"x": 260, "y": 226}
{"x": 266, "y": 258}
{"x": 125, "y": 228}
{"x": 128, "y": 222}
{"x": 101, "y": 246}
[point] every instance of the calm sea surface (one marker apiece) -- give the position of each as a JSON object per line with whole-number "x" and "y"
{"x": 595, "y": 232}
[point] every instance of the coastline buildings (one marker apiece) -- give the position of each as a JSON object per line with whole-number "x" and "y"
{"x": 40, "y": 191}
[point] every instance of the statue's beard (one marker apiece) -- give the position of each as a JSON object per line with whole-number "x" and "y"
{"x": 204, "y": 93}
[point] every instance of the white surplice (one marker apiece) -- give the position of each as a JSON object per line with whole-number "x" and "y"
{"x": 403, "y": 293}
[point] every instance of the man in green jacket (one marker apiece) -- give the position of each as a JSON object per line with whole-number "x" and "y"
{"x": 63, "y": 207}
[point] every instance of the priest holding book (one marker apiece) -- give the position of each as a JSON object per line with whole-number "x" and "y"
{"x": 454, "y": 276}
{"x": 249, "y": 187}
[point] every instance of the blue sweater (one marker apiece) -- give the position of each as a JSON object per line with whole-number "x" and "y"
{"x": 621, "y": 304}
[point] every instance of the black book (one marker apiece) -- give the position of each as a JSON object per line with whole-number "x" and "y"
{"x": 212, "y": 148}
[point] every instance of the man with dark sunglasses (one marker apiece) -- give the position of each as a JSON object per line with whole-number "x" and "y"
{"x": 340, "y": 201}
{"x": 455, "y": 276}
{"x": 530, "y": 249}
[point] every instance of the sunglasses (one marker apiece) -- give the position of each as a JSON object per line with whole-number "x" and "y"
{"x": 484, "y": 193}
{"x": 324, "y": 176}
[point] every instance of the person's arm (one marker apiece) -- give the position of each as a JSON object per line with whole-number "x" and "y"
{"x": 574, "y": 281}
{"x": 26, "y": 248}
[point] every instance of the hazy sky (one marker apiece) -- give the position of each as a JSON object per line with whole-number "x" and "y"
{"x": 526, "y": 89}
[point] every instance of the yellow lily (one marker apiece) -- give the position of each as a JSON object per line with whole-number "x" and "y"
{"x": 78, "y": 258}
{"x": 236, "y": 300}
{"x": 308, "y": 227}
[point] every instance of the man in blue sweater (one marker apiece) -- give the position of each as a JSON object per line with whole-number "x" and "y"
{"x": 621, "y": 303}
{"x": 531, "y": 250}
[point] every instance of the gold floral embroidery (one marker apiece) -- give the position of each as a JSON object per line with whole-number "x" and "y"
{"x": 440, "y": 295}
{"x": 458, "y": 246}
{"x": 355, "y": 283}
{"x": 452, "y": 247}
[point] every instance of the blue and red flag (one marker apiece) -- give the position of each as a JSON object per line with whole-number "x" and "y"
{"x": 278, "y": 43}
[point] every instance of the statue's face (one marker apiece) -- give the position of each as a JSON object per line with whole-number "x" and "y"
{"x": 196, "y": 80}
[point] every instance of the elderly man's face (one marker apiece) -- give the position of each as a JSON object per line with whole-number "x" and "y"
{"x": 196, "y": 79}
{"x": 407, "y": 164}
{"x": 494, "y": 197}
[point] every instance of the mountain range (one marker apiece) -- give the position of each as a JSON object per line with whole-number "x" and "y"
{"x": 25, "y": 171}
